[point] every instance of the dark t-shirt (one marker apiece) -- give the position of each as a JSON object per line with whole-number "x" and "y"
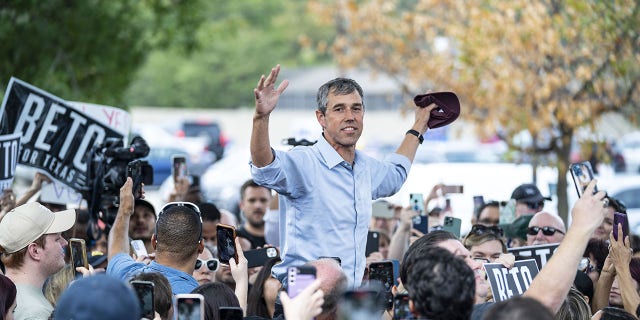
{"x": 256, "y": 241}
{"x": 480, "y": 309}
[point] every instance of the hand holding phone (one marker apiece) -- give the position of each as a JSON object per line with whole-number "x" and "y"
{"x": 78, "y": 254}
{"x": 620, "y": 219}
{"x": 134, "y": 170}
{"x": 226, "y": 241}
{"x": 138, "y": 248}
{"x": 144, "y": 291}
{"x": 179, "y": 167}
{"x": 383, "y": 272}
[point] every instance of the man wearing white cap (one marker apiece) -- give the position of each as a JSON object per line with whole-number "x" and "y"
{"x": 33, "y": 249}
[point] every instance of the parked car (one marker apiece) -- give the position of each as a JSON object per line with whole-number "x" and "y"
{"x": 629, "y": 146}
{"x": 215, "y": 141}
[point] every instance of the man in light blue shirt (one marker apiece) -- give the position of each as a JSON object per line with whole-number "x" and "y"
{"x": 326, "y": 190}
{"x": 177, "y": 242}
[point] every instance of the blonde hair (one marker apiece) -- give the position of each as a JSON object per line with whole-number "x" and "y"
{"x": 57, "y": 283}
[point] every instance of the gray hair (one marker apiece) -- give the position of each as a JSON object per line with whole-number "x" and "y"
{"x": 339, "y": 86}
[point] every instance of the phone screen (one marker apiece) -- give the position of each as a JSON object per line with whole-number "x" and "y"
{"x": 230, "y": 313}
{"x": 226, "y": 243}
{"x": 78, "y": 254}
{"x": 134, "y": 170}
{"x": 299, "y": 278}
{"x": 383, "y": 272}
{"x": 582, "y": 174}
{"x": 189, "y": 307}
{"x": 620, "y": 218}
{"x": 144, "y": 291}
{"x": 179, "y": 168}
{"x": 401, "y": 309}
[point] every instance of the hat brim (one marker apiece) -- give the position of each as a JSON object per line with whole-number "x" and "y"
{"x": 62, "y": 221}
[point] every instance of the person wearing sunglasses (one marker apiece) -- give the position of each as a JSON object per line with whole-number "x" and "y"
{"x": 485, "y": 244}
{"x": 177, "y": 241}
{"x": 545, "y": 228}
{"x": 206, "y": 266}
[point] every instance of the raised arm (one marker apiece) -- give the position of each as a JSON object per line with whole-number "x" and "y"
{"x": 552, "y": 284}
{"x": 119, "y": 234}
{"x": 621, "y": 253}
{"x": 267, "y": 97}
{"x": 410, "y": 143}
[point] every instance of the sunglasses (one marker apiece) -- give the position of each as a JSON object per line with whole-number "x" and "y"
{"x": 193, "y": 208}
{"x": 212, "y": 264}
{"x": 547, "y": 231}
{"x": 479, "y": 229}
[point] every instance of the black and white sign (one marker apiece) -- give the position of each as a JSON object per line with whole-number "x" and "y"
{"x": 542, "y": 253}
{"x": 507, "y": 283}
{"x": 55, "y": 135}
{"x": 9, "y": 149}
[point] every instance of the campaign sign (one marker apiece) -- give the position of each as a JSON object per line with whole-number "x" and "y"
{"x": 542, "y": 253}
{"x": 507, "y": 283}
{"x": 55, "y": 136}
{"x": 9, "y": 148}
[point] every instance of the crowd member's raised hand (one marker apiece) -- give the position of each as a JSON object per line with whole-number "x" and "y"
{"x": 621, "y": 254}
{"x": 404, "y": 231}
{"x": 306, "y": 305}
{"x": 36, "y": 184}
{"x": 240, "y": 274}
{"x": 552, "y": 284}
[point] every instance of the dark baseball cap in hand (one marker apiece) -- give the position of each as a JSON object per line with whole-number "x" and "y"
{"x": 447, "y": 111}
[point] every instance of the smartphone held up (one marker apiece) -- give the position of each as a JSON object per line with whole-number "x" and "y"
{"x": 226, "y": 241}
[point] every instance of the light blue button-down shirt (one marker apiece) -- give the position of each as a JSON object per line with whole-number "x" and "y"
{"x": 325, "y": 203}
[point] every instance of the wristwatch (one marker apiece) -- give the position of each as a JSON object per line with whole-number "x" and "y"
{"x": 417, "y": 134}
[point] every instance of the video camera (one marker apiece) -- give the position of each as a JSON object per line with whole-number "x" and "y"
{"x": 107, "y": 173}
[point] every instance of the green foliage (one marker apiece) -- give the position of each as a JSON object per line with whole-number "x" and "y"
{"x": 240, "y": 41}
{"x": 89, "y": 50}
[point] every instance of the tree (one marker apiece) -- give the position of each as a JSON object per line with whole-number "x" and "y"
{"x": 241, "y": 40}
{"x": 547, "y": 67}
{"x": 89, "y": 50}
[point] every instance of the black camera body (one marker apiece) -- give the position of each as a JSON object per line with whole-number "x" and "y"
{"x": 107, "y": 173}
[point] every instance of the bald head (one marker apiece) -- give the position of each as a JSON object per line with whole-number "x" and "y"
{"x": 333, "y": 283}
{"x": 550, "y": 229}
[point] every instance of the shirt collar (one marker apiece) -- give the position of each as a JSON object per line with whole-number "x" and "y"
{"x": 329, "y": 154}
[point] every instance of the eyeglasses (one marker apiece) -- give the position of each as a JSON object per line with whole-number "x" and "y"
{"x": 189, "y": 205}
{"x": 586, "y": 266}
{"x": 547, "y": 231}
{"x": 212, "y": 264}
{"x": 479, "y": 229}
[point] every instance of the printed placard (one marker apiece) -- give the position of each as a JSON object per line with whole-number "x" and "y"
{"x": 9, "y": 149}
{"x": 507, "y": 283}
{"x": 56, "y": 136}
{"x": 541, "y": 253}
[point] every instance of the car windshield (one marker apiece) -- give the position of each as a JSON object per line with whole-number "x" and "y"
{"x": 200, "y": 130}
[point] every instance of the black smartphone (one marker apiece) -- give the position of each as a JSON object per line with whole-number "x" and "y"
{"x": 178, "y": 167}
{"x": 134, "y": 170}
{"x": 620, "y": 218}
{"x": 226, "y": 239}
{"x": 478, "y": 202}
{"x": 258, "y": 257}
{"x": 373, "y": 243}
{"x": 421, "y": 223}
{"x": 452, "y": 225}
{"x": 78, "y": 254}
{"x": 298, "y": 278}
{"x": 230, "y": 313}
{"x": 401, "y": 309}
{"x": 144, "y": 291}
{"x": 188, "y": 306}
{"x": 382, "y": 272}
{"x": 582, "y": 174}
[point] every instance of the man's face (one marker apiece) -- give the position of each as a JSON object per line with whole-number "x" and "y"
{"x": 53, "y": 252}
{"x": 254, "y": 204}
{"x": 342, "y": 122}
{"x": 545, "y": 220}
{"x": 605, "y": 228}
{"x": 209, "y": 233}
{"x": 142, "y": 223}
{"x": 523, "y": 208}
{"x": 489, "y": 216}
{"x": 456, "y": 247}
{"x": 489, "y": 250}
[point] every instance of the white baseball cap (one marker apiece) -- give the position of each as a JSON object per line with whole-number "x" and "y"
{"x": 26, "y": 223}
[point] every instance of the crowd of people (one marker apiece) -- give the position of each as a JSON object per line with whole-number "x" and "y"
{"x": 323, "y": 198}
